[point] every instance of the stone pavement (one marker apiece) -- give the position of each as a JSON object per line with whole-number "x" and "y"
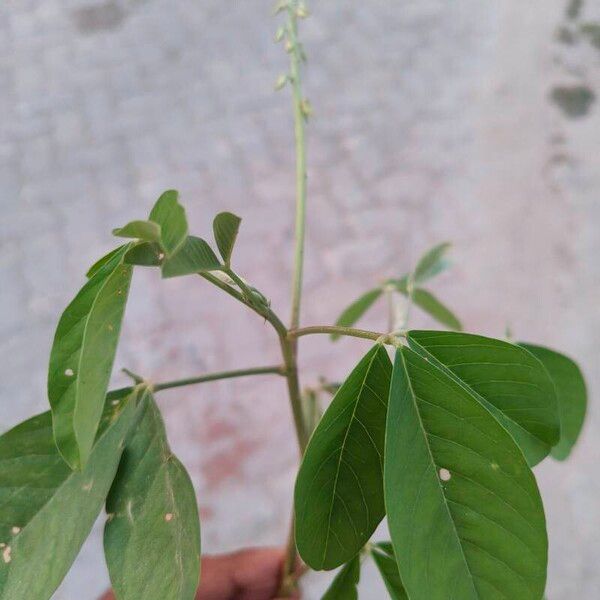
{"x": 469, "y": 121}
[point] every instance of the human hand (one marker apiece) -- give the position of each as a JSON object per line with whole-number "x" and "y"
{"x": 252, "y": 574}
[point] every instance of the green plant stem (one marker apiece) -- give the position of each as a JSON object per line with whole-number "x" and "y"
{"x": 301, "y": 176}
{"x": 275, "y": 370}
{"x": 347, "y": 331}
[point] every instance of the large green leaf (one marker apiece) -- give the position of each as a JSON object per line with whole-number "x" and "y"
{"x": 344, "y": 586}
{"x": 225, "y": 228}
{"x": 195, "y": 256}
{"x": 152, "y": 537}
{"x": 571, "y": 393}
{"x": 48, "y": 510}
{"x": 507, "y": 379}
{"x": 339, "y": 490}
{"x": 464, "y": 510}
{"x": 142, "y": 230}
{"x": 384, "y": 558}
{"x": 357, "y": 309}
{"x": 170, "y": 215}
{"x": 432, "y": 263}
{"x": 82, "y": 357}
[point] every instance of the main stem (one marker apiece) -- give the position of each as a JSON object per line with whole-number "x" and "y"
{"x": 289, "y": 345}
{"x": 301, "y": 177}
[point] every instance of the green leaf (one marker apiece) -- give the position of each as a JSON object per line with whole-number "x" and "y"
{"x": 428, "y": 303}
{"x": 144, "y": 254}
{"x": 225, "y": 227}
{"x": 433, "y": 307}
{"x": 196, "y": 256}
{"x": 170, "y": 215}
{"x": 383, "y": 556}
{"x": 152, "y": 536}
{"x": 464, "y": 510}
{"x": 511, "y": 383}
{"x": 82, "y": 357}
{"x": 344, "y": 586}
{"x": 142, "y": 230}
{"x": 102, "y": 261}
{"x": 339, "y": 490}
{"x": 48, "y": 510}
{"x": 432, "y": 263}
{"x": 571, "y": 393}
{"x": 357, "y": 309}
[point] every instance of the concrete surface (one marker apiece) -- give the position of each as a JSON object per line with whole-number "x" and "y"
{"x": 469, "y": 121}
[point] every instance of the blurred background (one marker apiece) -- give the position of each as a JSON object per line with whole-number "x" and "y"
{"x": 469, "y": 121}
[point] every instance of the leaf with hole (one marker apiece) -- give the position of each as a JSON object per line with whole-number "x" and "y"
{"x": 146, "y": 231}
{"x": 339, "y": 490}
{"x": 432, "y": 263}
{"x": 464, "y": 510}
{"x": 571, "y": 393}
{"x": 357, "y": 309}
{"x": 225, "y": 227}
{"x": 345, "y": 584}
{"x": 82, "y": 357}
{"x": 512, "y": 384}
{"x": 383, "y": 556}
{"x": 170, "y": 216}
{"x": 152, "y": 536}
{"x": 48, "y": 510}
{"x": 196, "y": 256}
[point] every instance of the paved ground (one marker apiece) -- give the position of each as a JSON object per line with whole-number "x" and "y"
{"x": 470, "y": 121}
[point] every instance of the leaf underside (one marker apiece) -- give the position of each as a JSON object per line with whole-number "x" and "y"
{"x": 339, "y": 489}
{"x": 148, "y": 231}
{"x": 144, "y": 254}
{"x": 507, "y": 379}
{"x": 152, "y": 537}
{"x": 571, "y": 394}
{"x": 432, "y": 263}
{"x": 464, "y": 510}
{"x": 82, "y": 356}
{"x": 344, "y": 585}
{"x": 48, "y": 510}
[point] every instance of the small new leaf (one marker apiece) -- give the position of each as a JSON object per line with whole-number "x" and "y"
{"x": 344, "y": 586}
{"x": 571, "y": 393}
{"x": 432, "y": 263}
{"x": 147, "y": 231}
{"x": 357, "y": 309}
{"x": 225, "y": 228}
{"x": 48, "y": 510}
{"x": 429, "y": 304}
{"x": 152, "y": 537}
{"x": 170, "y": 215}
{"x": 82, "y": 357}
{"x": 195, "y": 256}
{"x": 339, "y": 490}
{"x": 144, "y": 254}
{"x": 383, "y": 556}
{"x": 281, "y": 81}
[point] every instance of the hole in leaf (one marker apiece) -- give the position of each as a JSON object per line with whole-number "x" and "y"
{"x": 445, "y": 475}
{"x": 15, "y": 530}
{"x": 69, "y": 372}
{"x": 168, "y": 517}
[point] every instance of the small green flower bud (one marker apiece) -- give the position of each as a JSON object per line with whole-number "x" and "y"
{"x": 281, "y": 81}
